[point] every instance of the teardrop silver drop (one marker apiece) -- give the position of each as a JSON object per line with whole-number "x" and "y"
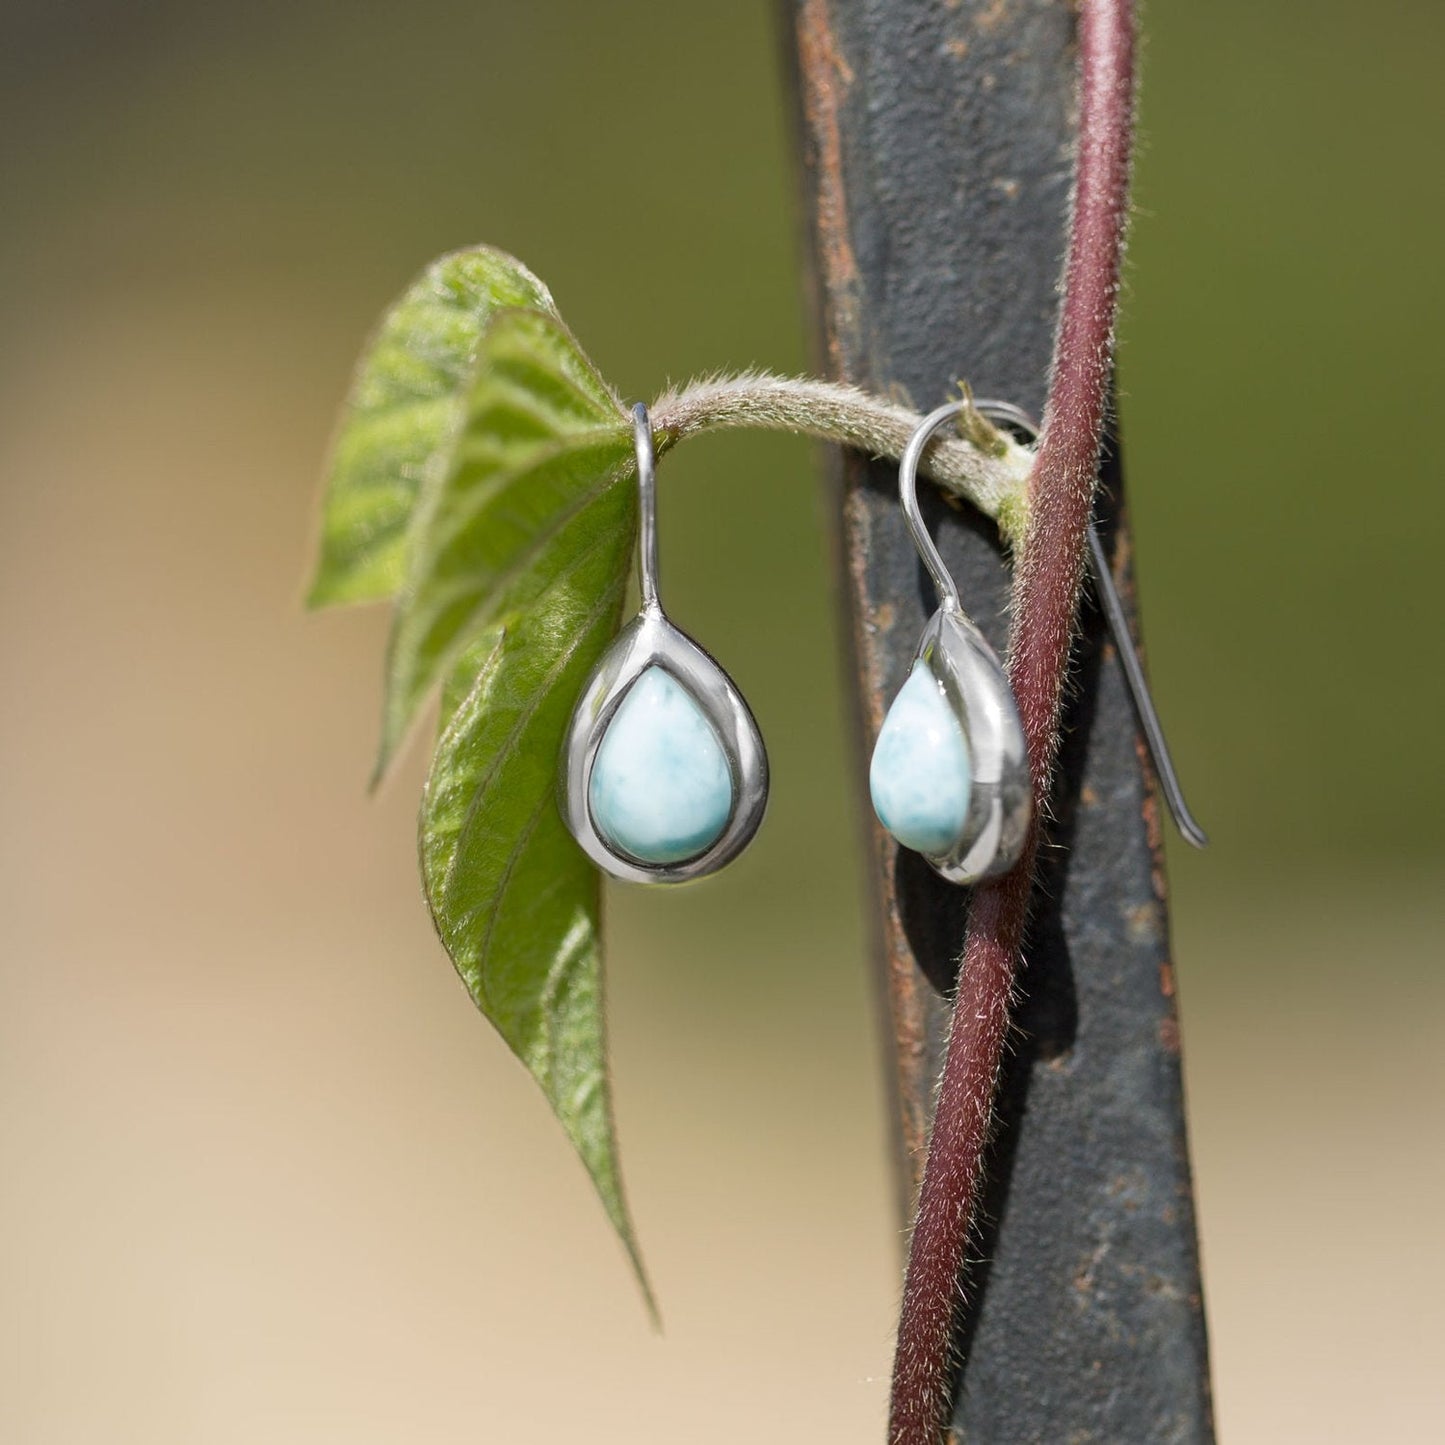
{"x": 648, "y": 642}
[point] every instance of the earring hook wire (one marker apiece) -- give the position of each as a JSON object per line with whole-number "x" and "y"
{"x": 646, "y": 507}
{"x": 1109, "y": 599}
{"x": 908, "y": 495}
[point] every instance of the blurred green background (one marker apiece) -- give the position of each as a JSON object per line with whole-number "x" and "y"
{"x": 267, "y": 1177}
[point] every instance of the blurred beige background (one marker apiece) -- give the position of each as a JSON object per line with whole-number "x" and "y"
{"x": 265, "y": 1174}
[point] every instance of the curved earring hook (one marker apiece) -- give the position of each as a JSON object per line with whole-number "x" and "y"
{"x": 1004, "y": 411}
{"x": 1114, "y": 613}
{"x": 908, "y": 496}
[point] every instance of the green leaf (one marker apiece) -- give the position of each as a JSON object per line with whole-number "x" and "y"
{"x": 514, "y": 899}
{"x": 543, "y": 439}
{"x": 518, "y": 558}
{"x": 405, "y": 404}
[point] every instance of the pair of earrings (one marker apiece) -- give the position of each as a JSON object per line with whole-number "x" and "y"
{"x": 664, "y": 774}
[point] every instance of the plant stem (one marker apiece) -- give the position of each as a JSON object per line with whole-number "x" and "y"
{"x": 1046, "y": 587}
{"x": 994, "y": 476}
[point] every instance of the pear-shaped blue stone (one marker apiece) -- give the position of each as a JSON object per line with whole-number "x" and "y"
{"x": 920, "y": 777}
{"x": 661, "y": 790}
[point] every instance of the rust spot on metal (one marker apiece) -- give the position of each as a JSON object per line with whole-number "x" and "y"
{"x": 1131, "y": 1190}
{"x": 1088, "y": 796}
{"x": 1166, "y": 979}
{"x": 826, "y": 75}
{"x": 871, "y": 656}
{"x": 957, "y": 48}
{"x": 911, "y": 1042}
{"x": 908, "y": 1013}
{"x": 1169, "y": 1034}
{"x": 1157, "y": 1284}
{"x": 1123, "y": 562}
{"x": 1144, "y": 922}
{"x": 1084, "y": 1275}
{"x": 907, "y": 1003}
{"x": 1153, "y": 824}
{"x": 992, "y": 16}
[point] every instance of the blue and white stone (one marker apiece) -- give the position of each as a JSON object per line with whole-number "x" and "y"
{"x": 661, "y": 790}
{"x": 920, "y": 776}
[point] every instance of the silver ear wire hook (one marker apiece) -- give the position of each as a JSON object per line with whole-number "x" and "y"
{"x": 1004, "y": 411}
{"x": 908, "y": 496}
{"x": 1109, "y": 598}
{"x": 646, "y": 506}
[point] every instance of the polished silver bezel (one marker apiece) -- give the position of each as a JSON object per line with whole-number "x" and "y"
{"x": 650, "y": 640}
{"x": 1000, "y": 797}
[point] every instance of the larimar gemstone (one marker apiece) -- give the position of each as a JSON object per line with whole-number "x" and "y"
{"x": 661, "y": 790}
{"x": 920, "y": 777}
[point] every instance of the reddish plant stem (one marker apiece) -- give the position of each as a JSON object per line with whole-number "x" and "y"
{"x": 1047, "y": 580}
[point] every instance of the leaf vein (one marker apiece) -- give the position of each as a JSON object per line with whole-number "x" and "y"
{"x": 524, "y": 718}
{"x": 492, "y": 602}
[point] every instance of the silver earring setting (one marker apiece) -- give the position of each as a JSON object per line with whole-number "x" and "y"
{"x": 950, "y": 776}
{"x": 664, "y": 774}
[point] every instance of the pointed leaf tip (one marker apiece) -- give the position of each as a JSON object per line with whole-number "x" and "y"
{"x": 515, "y": 901}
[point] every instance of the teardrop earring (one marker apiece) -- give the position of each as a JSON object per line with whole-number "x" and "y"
{"x": 949, "y": 776}
{"x": 664, "y": 776}
{"x": 951, "y": 746}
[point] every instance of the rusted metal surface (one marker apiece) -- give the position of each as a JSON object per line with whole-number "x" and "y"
{"x": 936, "y": 143}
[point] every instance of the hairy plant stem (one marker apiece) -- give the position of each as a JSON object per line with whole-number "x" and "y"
{"x": 1046, "y": 587}
{"x": 984, "y": 465}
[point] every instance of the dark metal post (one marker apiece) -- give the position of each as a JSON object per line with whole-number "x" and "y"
{"x": 937, "y": 158}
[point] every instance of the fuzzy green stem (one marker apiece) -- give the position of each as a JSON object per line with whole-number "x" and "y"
{"x": 988, "y": 468}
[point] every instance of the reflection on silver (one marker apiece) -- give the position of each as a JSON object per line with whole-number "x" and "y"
{"x": 1000, "y": 797}
{"x": 650, "y": 640}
